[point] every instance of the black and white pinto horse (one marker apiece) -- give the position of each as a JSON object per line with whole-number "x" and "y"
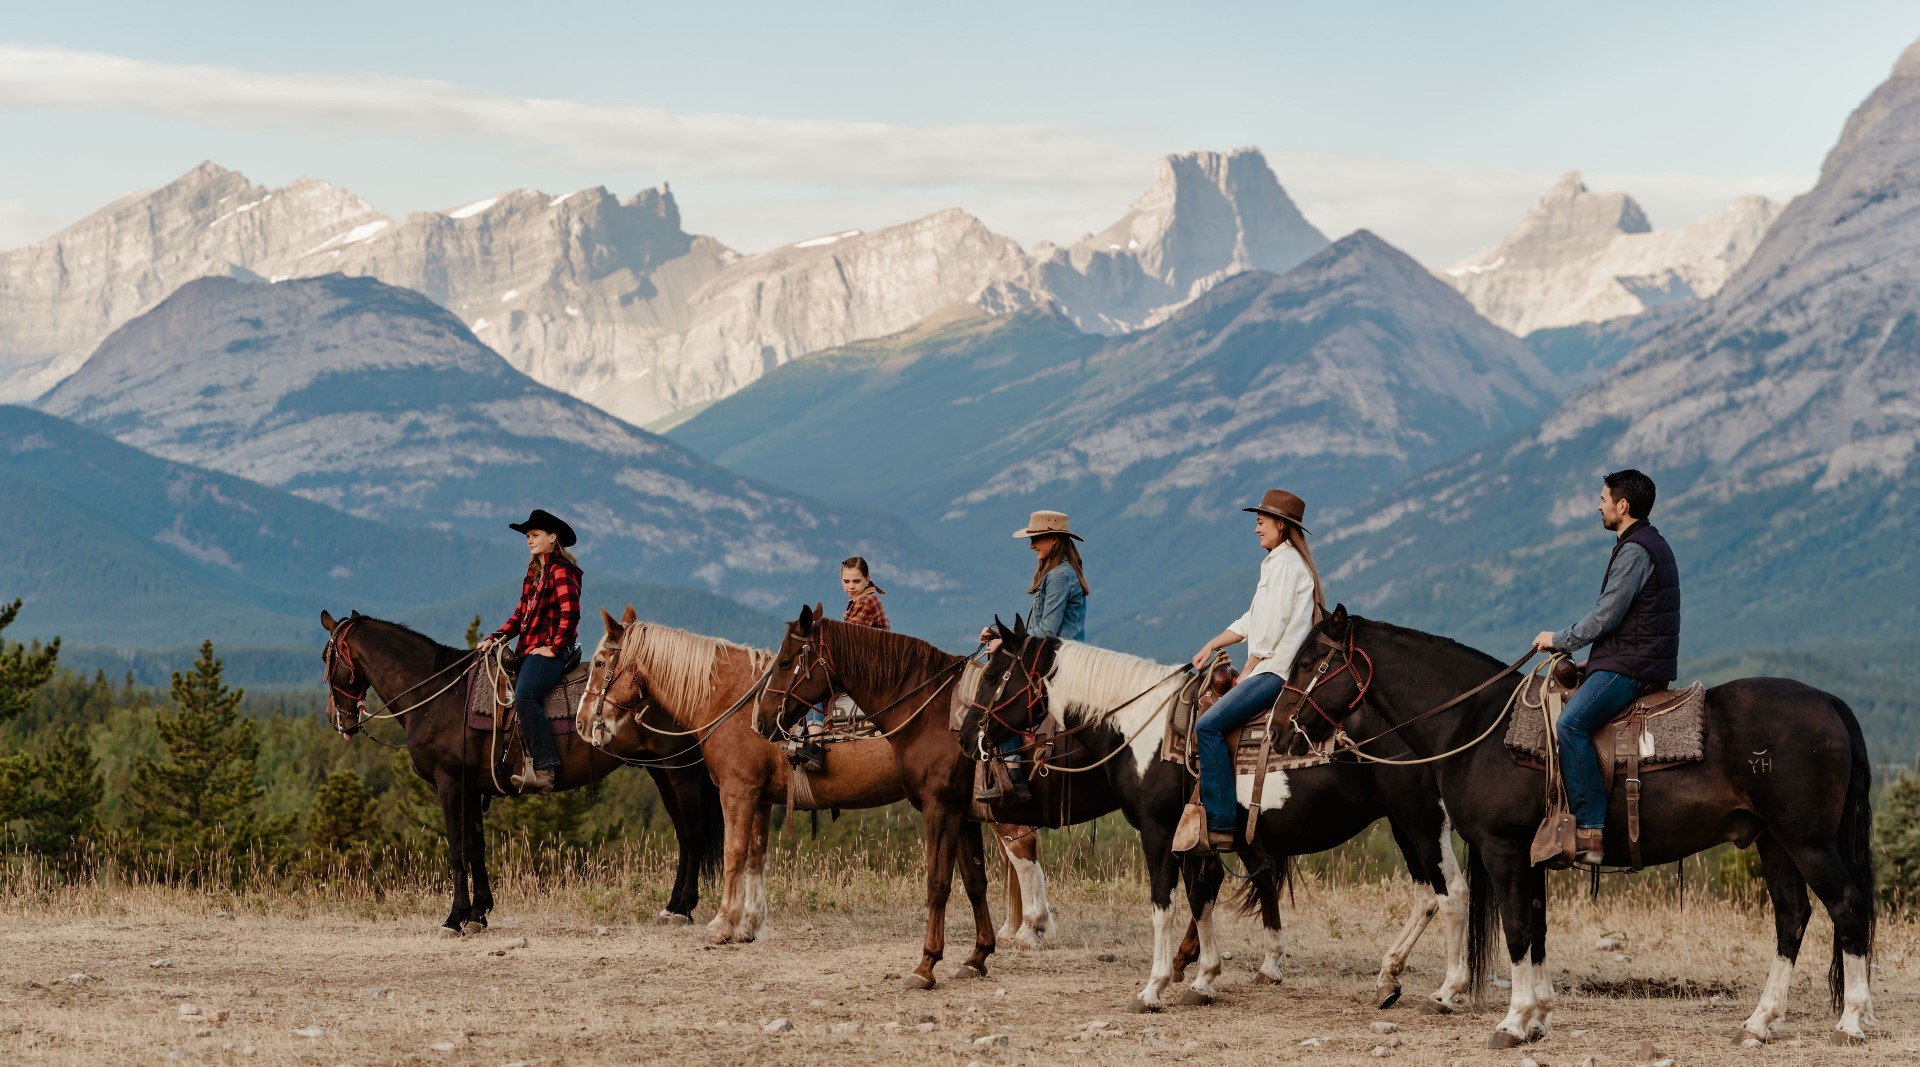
{"x": 1806, "y": 807}
{"x": 1112, "y": 705}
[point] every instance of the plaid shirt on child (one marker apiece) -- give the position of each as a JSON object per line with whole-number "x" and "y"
{"x": 549, "y": 612}
{"x": 865, "y": 610}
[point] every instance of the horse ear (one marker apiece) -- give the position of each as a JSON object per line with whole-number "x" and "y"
{"x": 819, "y": 610}
{"x": 1339, "y": 620}
{"x": 806, "y": 616}
{"x": 1019, "y": 625}
{"x": 629, "y": 616}
{"x": 613, "y": 628}
{"x": 327, "y": 621}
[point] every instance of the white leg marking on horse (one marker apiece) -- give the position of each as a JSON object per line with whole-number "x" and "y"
{"x": 1162, "y": 957}
{"x": 1542, "y": 1022}
{"x": 1210, "y": 966}
{"x": 754, "y": 910}
{"x": 1453, "y": 921}
{"x": 1773, "y": 1002}
{"x": 1520, "y": 1001}
{"x": 1036, "y": 919}
{"x": 1425, "y": 903}
{"x": 1276, "y": 944}
{"x": 1856, "y": 1008}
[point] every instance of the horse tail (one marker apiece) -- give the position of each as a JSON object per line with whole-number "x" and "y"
{"x": 1261, "y": 891}
{"x": 1483, "y": 918}
{"x": 713, "y": 827}
{"x": 1855, "y": 841}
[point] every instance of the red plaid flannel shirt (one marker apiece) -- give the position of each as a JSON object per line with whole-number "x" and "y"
{"x": 865, "y": 609}
{"x": 549, "y": 612}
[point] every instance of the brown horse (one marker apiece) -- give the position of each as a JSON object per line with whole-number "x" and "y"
{"x": 707, "y": 686}
{"x": 424, "y": 685}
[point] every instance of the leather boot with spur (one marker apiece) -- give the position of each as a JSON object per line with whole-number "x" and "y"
{"x": 1588, "y": 847}
{"x": 530, "y": 780}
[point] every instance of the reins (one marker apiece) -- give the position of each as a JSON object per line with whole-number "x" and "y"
{"x": 1033, "y": 691}
{"x": 338, "y": 651}
{"x": 824, "y": 661}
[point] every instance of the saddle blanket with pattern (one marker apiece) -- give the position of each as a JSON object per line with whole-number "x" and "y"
{"x": 483, "y": 700}
{"x": 1673, "y": 732}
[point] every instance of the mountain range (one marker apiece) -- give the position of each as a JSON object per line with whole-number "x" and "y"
{"x": 1780, "y": 418}
{"x": 1337, "y": 379}
{"x": 378, "y": 402}
{"x": 1581, "y": 257}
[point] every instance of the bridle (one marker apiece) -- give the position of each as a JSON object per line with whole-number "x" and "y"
{"x": 348, "y": 719}
{"x": 603, "y": 699}
{"x": 1324, "y": 671}
{"x": 1033, "y": 690}
{"x": 822, "y": 659}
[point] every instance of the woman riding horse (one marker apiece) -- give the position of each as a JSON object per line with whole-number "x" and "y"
{"x": 546, "y": 621}
{"x": 1059, "y": 590}
{"x": 1286, "y": 603}
{"x": 863, "y": 609}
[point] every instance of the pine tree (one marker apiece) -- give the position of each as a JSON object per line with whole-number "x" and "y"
{"x": 1896, "y": 837}
{"x": 64, "y": 810}
{"x": 204, "y": 799}
{"x": 342, "y": 818}
{"x": 473, "y": 632}
{"x": 23, "y": 669}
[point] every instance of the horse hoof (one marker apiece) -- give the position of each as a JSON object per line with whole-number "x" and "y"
{"x": 916, "y": 981}
{"x": 1191, "y": 997}
{"x": 1749, "y": 1039}
{"x": 1388, "y": 999}
{"x": 672, "y": 918}
{"x": 470, "y": 928}
{"x": 1263, "y": 978}
{"x": 719, "y": 937}
{"x": 445, "y": 933}
{"x": 1843, "y": 1039}
{"x": 1503, "y": 1040}
{"x": 969, "y": 970}
{"x": 1141, "y": 1007}
{"x": 1434, "y": 1007}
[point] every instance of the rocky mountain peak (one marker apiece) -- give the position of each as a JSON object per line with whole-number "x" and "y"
{"x": 1908, "y": 65}
{"x": 1580, "y": 256}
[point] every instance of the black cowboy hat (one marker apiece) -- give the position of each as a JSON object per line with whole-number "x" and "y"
{"x": 1282, "y": 505}
{"x": 547, "y": 521}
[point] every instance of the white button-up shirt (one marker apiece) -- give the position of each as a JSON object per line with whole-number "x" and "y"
{"x": 1276, "y": 624}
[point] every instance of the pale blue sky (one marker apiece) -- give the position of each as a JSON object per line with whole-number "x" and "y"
{"x": 1434, "y": 124}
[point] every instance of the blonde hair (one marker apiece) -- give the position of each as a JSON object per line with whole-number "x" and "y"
{"x": 537, "y": 568}
{"x": 1063, "y": 546}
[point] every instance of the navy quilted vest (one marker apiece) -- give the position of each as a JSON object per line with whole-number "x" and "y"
{"x": 1646, "y": 644}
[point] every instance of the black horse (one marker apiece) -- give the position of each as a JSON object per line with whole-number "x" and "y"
{"x": 1785, "y": 770}
{"x": 1110, "y": 705}
{"x": 424, "y": 679}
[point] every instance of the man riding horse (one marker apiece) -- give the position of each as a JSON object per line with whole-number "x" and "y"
{"x": 1634, "y": 629}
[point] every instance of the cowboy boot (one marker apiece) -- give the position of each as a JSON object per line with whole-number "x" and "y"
{"x": 1588, "y": 847}
{"x": 811, "y": 757}
{"x": 532, "y": 779}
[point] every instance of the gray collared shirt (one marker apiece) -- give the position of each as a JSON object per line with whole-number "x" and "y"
{"x": 1630, "y": 570}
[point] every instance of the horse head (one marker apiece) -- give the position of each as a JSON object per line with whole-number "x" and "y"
{"x": 1011, "y": 697}
{"x": 347, "y": 683}
{"x": 802, "y": 669}
{"x": 615, "y": 694}
{"x": 1329, "y": 676}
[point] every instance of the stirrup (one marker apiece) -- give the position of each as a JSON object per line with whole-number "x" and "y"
{"x": 1594, "y": 855}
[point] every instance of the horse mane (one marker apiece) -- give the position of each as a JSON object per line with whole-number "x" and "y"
{"x": 1090, "y": 681}
{"x": 408, "y": 631}
{"x": 679, "y": 665}
{"x": 1446, "y": 643}
{"x": 875, "y": 644}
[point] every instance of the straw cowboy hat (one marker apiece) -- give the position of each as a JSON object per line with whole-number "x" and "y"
{"x": 1041, "y": 523}
{"x": 547, "y": 522}
{"x": 1283, "y": 505}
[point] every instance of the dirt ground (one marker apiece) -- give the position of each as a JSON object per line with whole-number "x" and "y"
{"x": 381, "y": 989}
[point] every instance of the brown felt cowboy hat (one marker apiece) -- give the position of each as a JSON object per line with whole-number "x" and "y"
{"x": 1282, "y": 505}
{"x": 1042, "y": 523}
{"x": 547, "y": 521}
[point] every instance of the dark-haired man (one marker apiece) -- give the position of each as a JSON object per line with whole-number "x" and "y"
{"x": 1635, "y": 633}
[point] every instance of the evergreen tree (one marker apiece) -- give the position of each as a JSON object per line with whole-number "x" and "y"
{"x": 1896, "y": 837}
{"x": 342, "y": 818}
{"x": 204, "y": 799}
{"x": 23, "y": 669}
{"x": 473, "y": 632}
{"x": 64, "y": 810}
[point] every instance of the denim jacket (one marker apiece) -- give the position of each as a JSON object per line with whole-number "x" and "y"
{"x": 1059, "y": 606}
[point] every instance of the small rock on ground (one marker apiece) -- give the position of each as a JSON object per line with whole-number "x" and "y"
{"x": 1382, "y": 1051}
{"x": 1383, "y": 1027}
{"x": 990, "y": 1040}
{"x": 443, "y": 1046}
{"x": 189, "y": 1011}
{"x": 518, "y": 942}
{"x": 1316, "y": 1042}
{"x": 1607, "y": 944}
{"x": 778, "y": 1026}
{"x": 310, "y": 1031}
{"x": 80, "y": 978}
{"x": 161, "y": 963}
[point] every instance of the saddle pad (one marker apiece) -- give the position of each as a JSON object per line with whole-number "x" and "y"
{"x": 560, "y": 703}
{"x": 1673, "y": 732}
{"x": 1246, "y": 755}
{"x": 963, "y": 692}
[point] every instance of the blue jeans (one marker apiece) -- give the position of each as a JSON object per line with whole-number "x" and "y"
{"x": 1245, "y": 702}
{"x": 538, "y": 676}
{"x": 1013, "y": 748}
{"x": 1598, "y": 699}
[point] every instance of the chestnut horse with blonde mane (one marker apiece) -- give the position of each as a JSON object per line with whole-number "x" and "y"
{"x": 707, "y": 686}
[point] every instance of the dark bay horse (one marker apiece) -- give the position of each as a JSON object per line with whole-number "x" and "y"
{"x": 1112, "y": 704}
{"x": 1805, "y": 806}
{"x": 905, "y": 686}
{"x": 425, "y": 680}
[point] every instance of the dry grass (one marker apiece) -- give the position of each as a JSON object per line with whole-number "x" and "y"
{"x": 309, "y": 953}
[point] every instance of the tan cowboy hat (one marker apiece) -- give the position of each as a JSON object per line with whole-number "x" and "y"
{"x": 1041, "y": 523}
{"x": 1282, "y": 505}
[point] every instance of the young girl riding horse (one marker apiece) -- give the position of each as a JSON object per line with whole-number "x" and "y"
{"x": 546, "y": 621}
